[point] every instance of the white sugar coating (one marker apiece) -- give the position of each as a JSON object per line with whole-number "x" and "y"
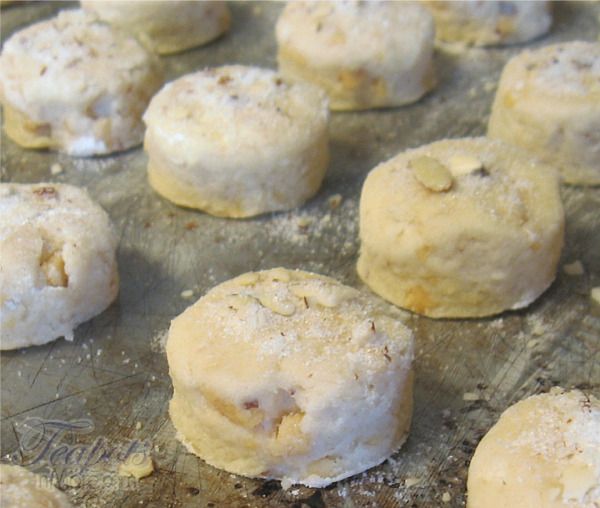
{"x": 489, "y": 242}
{"x": 57, "y": 259}
{"x": 545, "y": 447}
{"x": 233, "y": 108}
{"x": 69, "y": 73}
{"x": 290, "y": 375}
{"x": 571, "y": 69}
{"x": 24, "y": 489}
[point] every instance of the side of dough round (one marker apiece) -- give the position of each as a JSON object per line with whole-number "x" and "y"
{"x": 237, "y": 141}
{"x": 57, "y": 262}
{"x": 24, "y": 489}
{"x": 76, "y": 85}
{"x": 548, "y": 102}
{"x": 460, "y": 228}
{"x": 543, "y": 451}
{"x": 290, "y": 375}
{"x": 491, "y": 22}
{"x": 363, "y": 54}
{"x": 167, "y": 27}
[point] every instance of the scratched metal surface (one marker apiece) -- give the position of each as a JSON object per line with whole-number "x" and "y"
{"x": 114, "y": 374}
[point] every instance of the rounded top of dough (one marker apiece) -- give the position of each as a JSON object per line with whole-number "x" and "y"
{"x": 24, "y": 489}
{"x": 235, "y": 109}
{"x": 284, "y": 328}
{"x": 491, "y": 188}
{"x": 565, "y": 70}
{"x": 543, "y": 451}
{"x": 72, "y": 58}
{"x": 349, "y": 33}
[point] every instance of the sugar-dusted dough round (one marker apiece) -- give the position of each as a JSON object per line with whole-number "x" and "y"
{"x": 57, "y": 262}
{"x": 21, "y": 488}
{"x": 543, "y": 452}
{"x": 290, "y": 375}
{"x": 237, "y": 141}
{"x": 460, "y": 228}
{"x": 76, "y": 85}
{"x": 548, "y": 102}
{"x": 490, "y": 22}
{"x": 363, "y": 54}
{"x": 166, "y": 26}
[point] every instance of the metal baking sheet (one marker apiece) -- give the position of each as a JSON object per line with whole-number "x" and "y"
{"x": 108, "y": 391}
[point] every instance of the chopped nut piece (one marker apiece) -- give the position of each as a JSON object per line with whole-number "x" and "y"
{"x": 335, "y": 201}
{"x": 280, "y": 274}
{"x": 575, "y": 268}
{"x": 285, "y": 308}
{"x": 470, "y": 397}
{"x": 431, "y": 173}
{"x": 464, "y": 164}
{"x": 247, "y": 279}
{"x": 138, "y": 465}
{"x": 56, "y": 168}
{"x": 595, "y": 294}
{"x": 188, "y": 293}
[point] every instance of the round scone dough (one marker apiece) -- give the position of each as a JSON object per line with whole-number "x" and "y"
{"x": 548, "y": 102}
{"x": 57, "y": 262}
{"x": 290, "y": 375}
{"x": 237, "y": 141}
{"x": 363, "y": 54}
{"x": 166, "y": 26}
{"x": 23, "y": 489}
{"x": 76, "y": 85}
{"x": 491, "y": 22}
{"x": 460, "y": 228}
{"x": 543, "y": 452}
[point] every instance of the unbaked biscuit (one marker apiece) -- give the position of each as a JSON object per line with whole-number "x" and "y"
{"x": 363, "y": 54}
{"x": 76, "y": 85}
{"x": 57, "y": 262}
{"x": 460, "y": 228}
{"x": 548, "y": 102}
{"x": 490, "y": 22}
{"x": 543, "y": 452}
{"x": 290, "y": 375}
{"x": 237, "y": 141}
{"x": 24, "y": 489}
{"x": 167, "y": 27}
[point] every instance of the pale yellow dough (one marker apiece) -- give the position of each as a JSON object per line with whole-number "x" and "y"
{"x": 363, "y": 54}
{"x": 20, "y": 488}
{"x": 475, "y": 231}
{"x": 490, "y": 22}
{"x": 76, "y": 85}
{"x": 57, "y": 262}
{"x": 166, "y": 26}
{"x": 237, "y": 141}
{"x": 548, "y": 102}
{"x": 290, "y": 375}
{"x": 544, "y": 452}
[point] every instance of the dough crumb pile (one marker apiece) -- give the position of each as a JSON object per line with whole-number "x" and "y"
{"x": 290, "y": 375}
{"x": 543, "y": 451}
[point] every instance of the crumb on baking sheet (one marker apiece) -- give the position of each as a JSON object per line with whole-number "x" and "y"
{"x": 56, "y": 168}
{"x": 138, "y": 465}
{"x": 595, "y": 294}
{"x": 574, "y": 268}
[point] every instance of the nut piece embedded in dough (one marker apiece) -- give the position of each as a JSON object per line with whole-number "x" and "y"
{"x": 307, "y": 397}
{"x": 491, "y": 244}
{"x": 543, "y": 451}
{"x": 431, "y": 173}
{"x": 462, "y": 164}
